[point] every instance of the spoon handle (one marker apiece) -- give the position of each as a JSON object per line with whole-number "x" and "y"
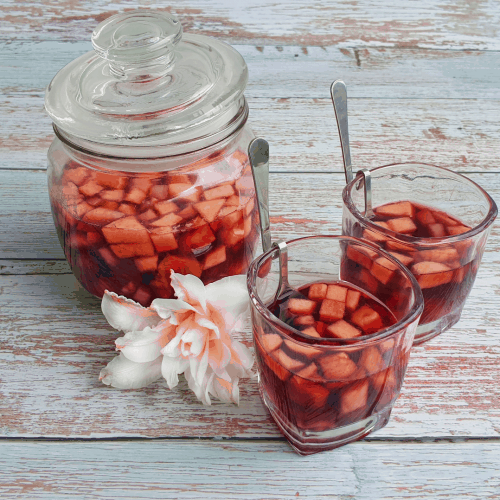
{"x": 338, "y": 92}
{"x": 258, "y": 152}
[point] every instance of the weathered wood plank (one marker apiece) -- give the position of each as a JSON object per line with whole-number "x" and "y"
{"x": 190, "y": 469}
{"x": 463, "y": 135}
{"x": 295, "y": 71}
{"x": 300, "y": 204}
{"x": 433, "y": 23}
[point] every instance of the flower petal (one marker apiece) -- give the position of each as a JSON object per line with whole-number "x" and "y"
{"x": 228, "y": 392}
{"x": 146, "y": 345}
{"x": 167, "y": 308}
{"x": 244, "y": 358}
{"x": 125, "y": 374}
{"x": 201, "y": 390}
{"x": 171, "y": 368}
{"x": 190, "y": 289}
{"x": 230, "y": 297}
{"x": 125, "y": 314}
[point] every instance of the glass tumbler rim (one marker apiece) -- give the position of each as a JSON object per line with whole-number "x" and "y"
{"x": 335, "y": 344}
{"x": 477, "y": 229}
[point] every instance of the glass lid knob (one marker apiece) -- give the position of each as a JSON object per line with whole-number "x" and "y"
{"x": 137, "y": 43}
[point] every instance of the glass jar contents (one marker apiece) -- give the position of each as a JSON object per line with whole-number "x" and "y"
{"x": 149, "y": 171}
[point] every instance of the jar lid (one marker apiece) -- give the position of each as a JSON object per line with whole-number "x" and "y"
{"x": 147, "y": 90}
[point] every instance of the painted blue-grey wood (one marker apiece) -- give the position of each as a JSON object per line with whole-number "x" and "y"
{"x": 188, "y": 469}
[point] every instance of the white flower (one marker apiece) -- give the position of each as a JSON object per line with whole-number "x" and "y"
{"x": 190, "y": 335}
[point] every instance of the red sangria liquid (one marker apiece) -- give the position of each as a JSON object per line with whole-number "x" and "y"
{"x": 125, "y": 232}
{"x": 314, "y": 389}
{"x": 445, "y": 273}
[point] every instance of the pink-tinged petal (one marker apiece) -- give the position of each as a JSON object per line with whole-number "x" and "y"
{"x": 219, "y": 356}
{"x": 170, "y": 308}
{"x": 125, "y": 374}
{"x": 190, "y": 289}
{"x": 193, "y": 341}
{"x": 243, "y": 358}
{"x": 201, "y": 390}
{"x": 171, "y": 368}
{"x": 201, "y": 370}
{"x": 230, "y": 297}
{"x": 207, "y": 324}
{"x": 146, "y": 345}
{"x": 228, "y": 392}
{"x": 125, "y": 314}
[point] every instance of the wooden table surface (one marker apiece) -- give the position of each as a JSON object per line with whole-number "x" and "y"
{"x": 423, "y": 81}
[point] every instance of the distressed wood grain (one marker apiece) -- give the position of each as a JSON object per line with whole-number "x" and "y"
{"x": 262, "y": 470}
{"x": 295, "y": 71}
{"x": 460, "y": 134}
{"x": 55, "y": 339}
{"x": 430, "y": 23}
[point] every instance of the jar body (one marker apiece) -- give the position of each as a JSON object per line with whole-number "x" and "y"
{"x": 125, "y": 224}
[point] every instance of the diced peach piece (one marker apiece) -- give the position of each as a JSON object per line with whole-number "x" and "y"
{"x": 385, "y": 380}
{"x": 386, "y": 345}
{"x": 147, "y": 264}
{"x": 354, "y": 397}
{"x": 298, "y": 348}
{"x": 320, "y": 327}
{"x": 406, "y": 260}
{"x": 318, "y": 291}
{"x": 95, "y": 201}
{"x": 454, "y": 230}
{"x": 402, "y": 225}
{"x": 337, "y": 366}
{"x": 425, "y": 217}
{"x": 201, "y": 237}
{"x": 310, "y": 395}
{"x": 160, "y": 191}
{"x": 215, "y": 257}
{"x": 440, "y": 254}
{"x": 111, "y": 180}
{"x": 219, "y": 192}
{"x": 249, "y": 207}
{"x": 90, "y": 188}
{"x": 376, "y": 236}
{"x": 270, "y": 341}
{"x": 187, "y": 213}
{"x": 398, "y": 209}
{"x": 336, "y": 292}
{"x": 127, "y": 209}
{"x": 445, "y": 219}
{"x": 82, "y": 208}
{"x": 432, "y": 274}
{"x": 371, "y": 360}
{"x": 310, "y": 372}
{"x": 247, "y": 226}
{"x": 244, "y": 184}
{"x": 71, "y": 193}
{"x": 352, "y": 299}
{"x": 304, "y": 320}
{"x": 102, "y": 216}
{"x": 94, "y": 238}
{"x": 165, "y": 207}
{"x": 170, "y": 219}
{"x": 126, "y": 230}
{"x": 436, "y": 230}
{"x": 459, "y": 275}
{"x": 136, "y": 196}
{"x": 361, "y": 255}
{"x": 398, "y": 246}
{"x": 230, "y": 216}
{"x": 127, "y": 250}
{"x": 331, "y": 310}
{"x": 194, "y": 223}
{"x": 233, "y": 201}
{"x": 110, "y": 205}
{"x": 367, "y": 318}
{"x": 233, "y": 236}
{"x": 163, "y": 239}
{"x": 76, "y": 175}
{"x": 342, "y": 330}
{"x": 108, "y": 257}
{"x": 312, "y": 332}
{"x": 301, "y": 306}
{"x": 112, "y": 194}
{"x": 149, "y": 214}
{"x": 209, "y": 209}
{"x": 180, "y": 264}
{"x": 184, "y": 191}
{"x": 290, "y": 364}
{"x": 276, "y": 368}
{"x": 142, "y": 183}
{"x": 383, "y": 269}
{"x": 369, "y": 283}
{"x": 178, "y": 178}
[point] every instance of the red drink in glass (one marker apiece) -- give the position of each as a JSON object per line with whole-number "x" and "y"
{"x": 331, "y": 356}
{"x": 434, "y": 221}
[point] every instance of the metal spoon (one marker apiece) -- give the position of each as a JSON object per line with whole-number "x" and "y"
{"x": 338, "y": 91}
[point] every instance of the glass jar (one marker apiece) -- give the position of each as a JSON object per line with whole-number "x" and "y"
{"x": 149, "y": 169}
